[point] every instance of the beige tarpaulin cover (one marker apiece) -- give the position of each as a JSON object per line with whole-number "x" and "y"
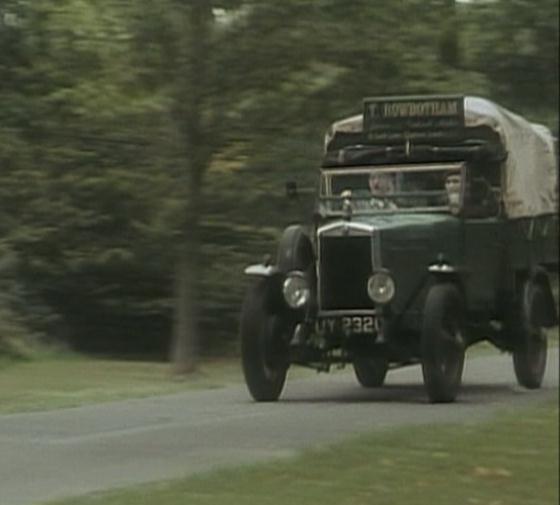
{"x": 530, "y": 176}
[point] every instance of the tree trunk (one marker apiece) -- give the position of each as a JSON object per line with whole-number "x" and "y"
{"x": 190, "y": 101}
{"x": 450, "y": 43}
{"x": 185, "y": 348}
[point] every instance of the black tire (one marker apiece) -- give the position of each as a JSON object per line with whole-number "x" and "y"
{"x": 443, "y": 343}
{"x": 371, "y": 372}
{"x": 530, "y": 345}
{"x": 264, "y": 351}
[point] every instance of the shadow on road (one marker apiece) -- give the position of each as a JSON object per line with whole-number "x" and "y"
{"x": 413, "y": 394}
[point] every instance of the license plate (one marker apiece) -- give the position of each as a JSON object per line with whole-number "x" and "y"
{"x": 347, "y": 325}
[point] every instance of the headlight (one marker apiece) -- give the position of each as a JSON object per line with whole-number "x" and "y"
{"x": 296, "y": 290}
{"x": 381, "y": 287}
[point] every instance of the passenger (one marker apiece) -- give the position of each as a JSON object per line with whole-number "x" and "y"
{"x": 453, "y": 192}
{"x": 480, "y": 199}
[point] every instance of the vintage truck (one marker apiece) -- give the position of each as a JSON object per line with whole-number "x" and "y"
{"x": 435, "y": 227}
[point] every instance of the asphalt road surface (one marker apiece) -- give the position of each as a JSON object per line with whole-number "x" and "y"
{"x": 69, "y": 452}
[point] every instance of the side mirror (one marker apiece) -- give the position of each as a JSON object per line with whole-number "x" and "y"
{"x": 291, "y": 189}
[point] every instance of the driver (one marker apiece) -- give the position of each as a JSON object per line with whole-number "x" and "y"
{"x": 381, "y": 186}
{"x": 378, "y": 196}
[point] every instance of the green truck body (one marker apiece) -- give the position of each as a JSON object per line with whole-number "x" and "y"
{"x": 436, "y": 226}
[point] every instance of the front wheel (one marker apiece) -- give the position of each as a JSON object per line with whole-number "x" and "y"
{"x": 530, "y": 345}
{"x": 371, "y": 372}
{"x": 443, "y": 343}
{"x": 264, "y": 351}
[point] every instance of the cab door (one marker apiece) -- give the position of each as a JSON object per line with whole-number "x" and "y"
{"x": 485, "y": 244}
{"x": 485, "y": 261}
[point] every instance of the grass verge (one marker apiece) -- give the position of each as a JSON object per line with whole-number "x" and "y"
{"x": 510, "y": 460}
{"x": 69, "y": 381}
{"x": 486, "y": 348}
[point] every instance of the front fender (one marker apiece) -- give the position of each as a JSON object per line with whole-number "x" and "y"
{"x": 295, "y": 251}
{"x": 262, "y": 270}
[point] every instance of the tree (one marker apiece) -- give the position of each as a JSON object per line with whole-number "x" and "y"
{"x": 74, "y": 174}
{"x": 189, "y": 108}
{"x": 515, "y": 43}
{"x": 148, "y": 143}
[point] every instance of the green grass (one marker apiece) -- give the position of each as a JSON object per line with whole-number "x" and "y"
{"x": 62, "y": 381}
{"x": 511, "y": 460}
{"x": 486, "y": 348}
{"x": 58, "y": 382}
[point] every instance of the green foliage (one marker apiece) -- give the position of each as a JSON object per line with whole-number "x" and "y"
{"x": 515, "y": 43}
{"x": 97, "y": 100}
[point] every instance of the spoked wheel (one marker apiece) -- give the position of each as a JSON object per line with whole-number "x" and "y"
{"x": 530, "y": 345}
{"x": 443, "y": 343}
{"x": 264, "y": 350}
{"x": 371, "y": 371}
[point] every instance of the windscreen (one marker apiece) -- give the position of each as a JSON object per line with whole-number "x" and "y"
{"x": 395, "y": 188}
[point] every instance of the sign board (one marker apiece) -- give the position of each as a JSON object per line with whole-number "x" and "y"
{"x": 401, "y": 118}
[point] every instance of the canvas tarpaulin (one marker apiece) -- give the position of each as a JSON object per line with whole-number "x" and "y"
{"x": 530, "y": 176}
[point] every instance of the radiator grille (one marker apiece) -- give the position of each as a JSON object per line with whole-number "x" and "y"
{"x": 344, "y": 268}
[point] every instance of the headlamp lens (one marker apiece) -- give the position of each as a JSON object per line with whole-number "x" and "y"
{"x": 381, "y": 287}
{"x": 296, "y": 290}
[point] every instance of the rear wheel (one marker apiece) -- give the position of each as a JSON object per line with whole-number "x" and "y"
{"x": 371, "y": 372}
{"x": 264, "y": 351}
{"x": 530, "y": 345}
{"x": 443, "y": 343}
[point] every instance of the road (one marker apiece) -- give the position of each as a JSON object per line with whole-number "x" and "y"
{"x": 75, "y": 451}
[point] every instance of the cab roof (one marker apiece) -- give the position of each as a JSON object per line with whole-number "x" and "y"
{"x": 453, "y": 128}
